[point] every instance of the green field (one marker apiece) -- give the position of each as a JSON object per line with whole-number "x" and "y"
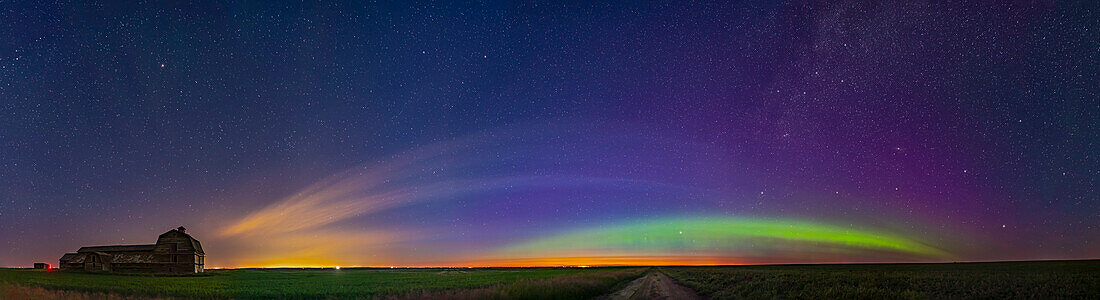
{"x": 555, "y": 283}
{"x": 1050, "y": 279}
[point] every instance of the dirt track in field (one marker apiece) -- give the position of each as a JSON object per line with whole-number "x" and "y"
{"x": 654, "y": 285}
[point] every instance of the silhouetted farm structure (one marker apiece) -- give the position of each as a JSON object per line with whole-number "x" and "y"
{"x": 175, "y": 252}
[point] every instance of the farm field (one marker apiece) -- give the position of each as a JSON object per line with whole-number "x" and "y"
{"x": 560, "y": 283}
{"x": 1036, "y": 279}
{"x": 1039, "y": 279}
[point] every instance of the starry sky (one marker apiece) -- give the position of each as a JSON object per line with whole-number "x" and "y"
{"x": 543, "y": 133}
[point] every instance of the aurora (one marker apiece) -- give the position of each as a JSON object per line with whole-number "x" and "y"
{"x": 450, "y": 182}
{"x": 732, "y": 237}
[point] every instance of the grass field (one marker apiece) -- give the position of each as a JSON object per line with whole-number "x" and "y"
{"x": 546, "y": 283}
{"x": 1050, "y": 279}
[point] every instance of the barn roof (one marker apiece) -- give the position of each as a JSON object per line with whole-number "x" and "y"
{"x": 70, "y": 257}
{"x": 133, "y": 257}
{"x": 198, "y": 247}
{"x": 194, "y": 243}
{"x": 117, "y": 248}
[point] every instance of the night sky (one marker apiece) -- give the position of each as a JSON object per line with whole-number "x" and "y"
{"x": 509, "y": 134}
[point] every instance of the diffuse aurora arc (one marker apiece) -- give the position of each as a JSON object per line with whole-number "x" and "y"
{"x": 506, "y": 171}
{"x": 728, "y": 235}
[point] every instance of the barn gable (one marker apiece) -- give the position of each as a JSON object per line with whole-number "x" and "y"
{"x": 177, "y": 240}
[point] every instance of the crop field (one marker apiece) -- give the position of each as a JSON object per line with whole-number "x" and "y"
{"x": 550, "y": 283}
{"x": 1049, "y": 279}
{"x": 1039, "y": 279}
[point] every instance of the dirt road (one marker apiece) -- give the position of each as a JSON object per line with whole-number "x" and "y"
{"x": 654, "y": 285}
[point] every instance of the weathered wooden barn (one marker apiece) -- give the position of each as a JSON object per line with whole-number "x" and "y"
{"x": 175, "y": 252}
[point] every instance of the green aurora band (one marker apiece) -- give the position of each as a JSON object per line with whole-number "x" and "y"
{"x": 724, "y": 236}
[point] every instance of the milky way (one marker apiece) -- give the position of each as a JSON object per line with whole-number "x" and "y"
{"x": 429, "y": 134}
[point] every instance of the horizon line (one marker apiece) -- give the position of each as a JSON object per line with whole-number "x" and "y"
{"x": 642, "y": 265}
{"x": 626, "y": 265}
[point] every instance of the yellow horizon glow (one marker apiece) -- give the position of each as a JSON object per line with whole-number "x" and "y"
{"x": 569, "y": 262}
